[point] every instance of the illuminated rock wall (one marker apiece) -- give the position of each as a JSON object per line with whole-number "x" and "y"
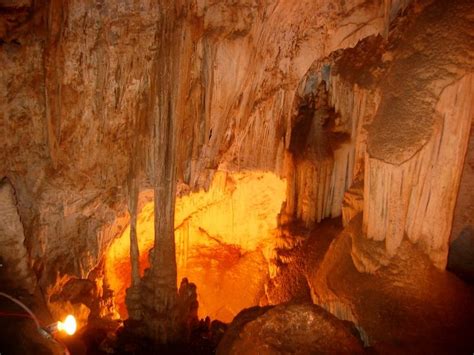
{"x": 224, "y": 240}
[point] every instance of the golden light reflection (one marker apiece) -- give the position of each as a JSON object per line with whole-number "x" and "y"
{"x": 222, "y": 239}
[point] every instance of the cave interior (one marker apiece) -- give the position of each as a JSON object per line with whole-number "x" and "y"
{"x": 237, "y": 177}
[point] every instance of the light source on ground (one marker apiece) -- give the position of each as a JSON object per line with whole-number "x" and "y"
{"x": 68, "y": 326}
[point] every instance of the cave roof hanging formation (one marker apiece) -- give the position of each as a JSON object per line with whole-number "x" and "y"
{"x": 300, "y": 170}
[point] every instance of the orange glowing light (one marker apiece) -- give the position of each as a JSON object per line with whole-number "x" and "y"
{"x": 69, "y": 325}
{"x": 224, "y": 238}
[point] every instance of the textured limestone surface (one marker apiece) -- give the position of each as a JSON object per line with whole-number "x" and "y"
{"x": 406, "y": 306}
{"x": 289, "y": 329}
{"x": 436, "y": 50}
{"x": 79, "y": 87}
{"x": 13, "y": 254}
{"x": 360, "y": 107}
{"x": 418, "y": 139}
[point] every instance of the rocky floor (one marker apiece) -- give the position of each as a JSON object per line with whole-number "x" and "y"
{"x": 405, "y": 306}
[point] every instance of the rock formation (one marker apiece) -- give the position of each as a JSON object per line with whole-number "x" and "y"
{"x": 133, "y": 292}
{"x": 289, "y": 329}
{"x": 224, "y": 142}
{"x": 71, "y": 171}
{"x": 410, "y": 157}
{"x": 222, "y": 235}
{"x": 159, "y": 289}
{"x": 13, "y": 254}
{"x": 405, "y": 299}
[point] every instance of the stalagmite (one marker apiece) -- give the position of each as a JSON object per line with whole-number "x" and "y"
{"x": 160, "y": 292}
{"x": 134, "y": 252}
{"x": 133, "y": 293}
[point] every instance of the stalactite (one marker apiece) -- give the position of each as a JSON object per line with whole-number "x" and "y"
{"x": 345, "y": 103}
{"x": 356, "y": 106}
{"x": 323, "y": 155}
{"x": 52, "y": 85}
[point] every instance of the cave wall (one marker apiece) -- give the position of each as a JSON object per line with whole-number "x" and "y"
{"x": 77, "y": 95}
{"x": 407, "y": 109}
{"x": 418, "y": 139}
{"x": 13, "y": 254}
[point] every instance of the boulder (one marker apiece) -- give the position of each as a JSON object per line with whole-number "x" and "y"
{"x": 289, "y": 329}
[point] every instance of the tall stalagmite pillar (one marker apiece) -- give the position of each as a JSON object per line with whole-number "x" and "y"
{"x": 160, "y": 311}
{"x": 160, "y": 297}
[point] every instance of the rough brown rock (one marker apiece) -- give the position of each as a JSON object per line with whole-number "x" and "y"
{"x": 406, "y": 305}
{"x": 289, "y": 329}
{"x": 418, "y": 139}
{"x": 15, "y": 271}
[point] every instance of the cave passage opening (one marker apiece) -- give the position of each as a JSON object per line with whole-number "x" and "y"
{"x": 225, "y": 239}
